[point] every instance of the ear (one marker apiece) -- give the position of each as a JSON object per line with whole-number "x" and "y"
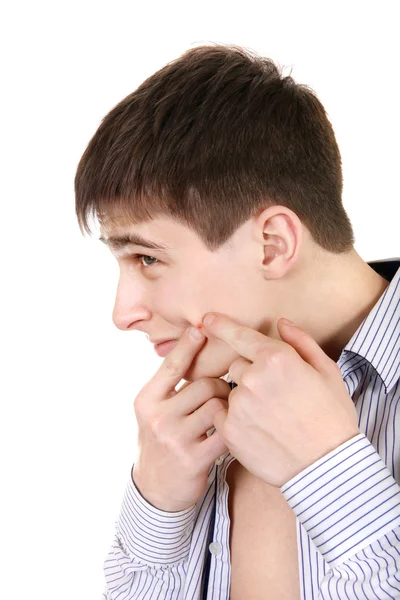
{"x": 280, "y": 232}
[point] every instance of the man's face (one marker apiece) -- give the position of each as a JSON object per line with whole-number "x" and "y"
{"x": 167, "y": 291}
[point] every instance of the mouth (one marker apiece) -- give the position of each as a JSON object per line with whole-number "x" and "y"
{"x": 163, "y": 348}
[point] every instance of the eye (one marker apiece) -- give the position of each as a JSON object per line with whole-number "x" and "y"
{"x": 140, "y": 256}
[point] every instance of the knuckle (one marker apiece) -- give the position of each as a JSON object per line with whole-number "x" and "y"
{"x": 279, "y": 358}
{"x": 248, "y": 381}
{"x": 172, "y": 365}
{"x": 143, "y": 410}
{"x": 157, "y": 426}
{"x": 274, "y": 358}
{"x": 173, "y": 444}
{"x": 206, "y": 386}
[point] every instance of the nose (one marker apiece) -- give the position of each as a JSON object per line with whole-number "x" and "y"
{"x": 130, "y": 304}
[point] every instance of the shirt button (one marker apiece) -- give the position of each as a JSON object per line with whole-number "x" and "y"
{"x": 220, "y": 460}
{"x": 215, "y": 548}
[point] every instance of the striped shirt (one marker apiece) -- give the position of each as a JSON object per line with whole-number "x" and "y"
{"x": 347, "y": 504}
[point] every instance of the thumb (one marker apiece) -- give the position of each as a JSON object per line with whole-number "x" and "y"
{"x": 304, "y": 345}
{"x": 219, "y": 420}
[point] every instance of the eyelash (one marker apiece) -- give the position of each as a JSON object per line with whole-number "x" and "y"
{"x": 138, "y": 257}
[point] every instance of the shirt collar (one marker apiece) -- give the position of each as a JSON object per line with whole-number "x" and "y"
{"x": 377, "y": 339}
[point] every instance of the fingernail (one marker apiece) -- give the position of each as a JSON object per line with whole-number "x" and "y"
{"x": 287, "y": 322}
{"x": 208, "y": 320}
{"x": 195, "y": 333}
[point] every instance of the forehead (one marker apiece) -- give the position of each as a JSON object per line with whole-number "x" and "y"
{"x": 163, "y": 234}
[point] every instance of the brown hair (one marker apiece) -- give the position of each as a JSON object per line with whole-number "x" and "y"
{"x": 210, "y": 140}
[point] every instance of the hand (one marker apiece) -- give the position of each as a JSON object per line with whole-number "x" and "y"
{"x": 175, "y": 453}
{"x": 291, "y": 406}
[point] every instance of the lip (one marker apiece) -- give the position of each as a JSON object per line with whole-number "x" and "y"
{"x": 164, "y": 348}
{"x": 157, "y": 342}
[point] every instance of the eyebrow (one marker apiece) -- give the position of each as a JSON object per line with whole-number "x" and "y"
{"x": 117, "y": 243}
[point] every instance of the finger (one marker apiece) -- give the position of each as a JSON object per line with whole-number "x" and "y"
{"x": 187, "y": 401}
{"x": 304, "y": 345}
{"x": 219, "y": 419}
{"x": 237, "y": 369}
{"x": 203, "y": 419}
{"x": 214, "y": 445}
{"x": 245, "y": 341}
{"x": 174, "y": 366}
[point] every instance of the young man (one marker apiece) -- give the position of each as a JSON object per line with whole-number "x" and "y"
{"x": 273, "y": 472}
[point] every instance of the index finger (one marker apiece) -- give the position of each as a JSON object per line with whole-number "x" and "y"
{"x": 245, "y": 341}
{"x": 174, "y": 366}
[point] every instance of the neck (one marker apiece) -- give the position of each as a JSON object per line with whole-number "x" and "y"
{"x": 341, "y": 291}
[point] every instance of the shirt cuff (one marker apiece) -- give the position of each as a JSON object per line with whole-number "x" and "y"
{"x": 346, "y": 500}
{"x": 151, "y": 535}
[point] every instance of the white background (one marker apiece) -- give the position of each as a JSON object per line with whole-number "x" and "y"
{"x": 69, "y": 377}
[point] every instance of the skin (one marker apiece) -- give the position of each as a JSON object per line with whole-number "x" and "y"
{"x": 275, "y": 425}
{"x": 291, "y": 404}
{"x": 270, "y": 268}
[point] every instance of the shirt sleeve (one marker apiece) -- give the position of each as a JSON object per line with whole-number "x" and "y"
{"x": 349, "y": 504}
{"x": 147, "y": 558}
